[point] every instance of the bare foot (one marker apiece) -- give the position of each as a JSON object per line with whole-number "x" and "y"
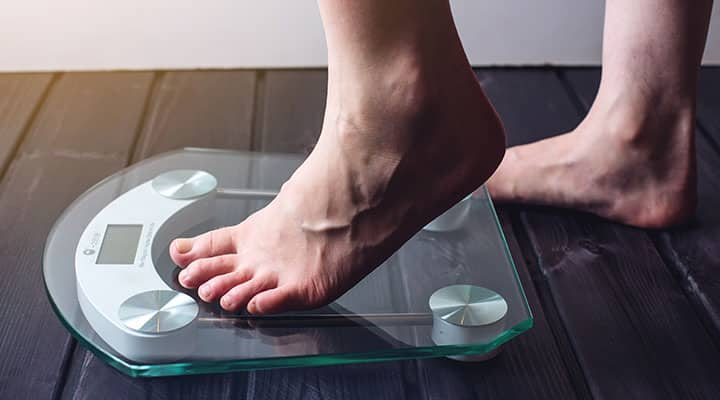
{"x": 620, "y": 163}
{"x": 393, "y": 154}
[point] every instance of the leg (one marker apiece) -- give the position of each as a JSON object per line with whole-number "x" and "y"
{"x": 404, "y": 118}
{"x": 632, "y": 159}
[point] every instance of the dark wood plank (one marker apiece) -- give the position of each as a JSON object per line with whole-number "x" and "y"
{"x": 292, "y": 110}
{"x": 82, "y": 133}
{"x": 581, "y": 83}
{"x": 199, "y": 109}
{"x": 360, "y": 381}
{"x": 91, "y": 378}
{"x": 522, "y": 95}
{"x": 692, "y": 250}
{"x": 709, "y": 100}
{"x": 20, "y": 95}
{"x": 633, "y": 329}
{"x": 534, "y": 365}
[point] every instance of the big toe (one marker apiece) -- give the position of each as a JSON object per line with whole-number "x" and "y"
{"x": 184, "y": 251}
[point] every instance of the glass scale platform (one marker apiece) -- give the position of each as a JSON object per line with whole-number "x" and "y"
{"x": 452, "y": 290}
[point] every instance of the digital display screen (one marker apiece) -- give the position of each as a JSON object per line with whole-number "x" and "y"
{"x": 120, "y": 244}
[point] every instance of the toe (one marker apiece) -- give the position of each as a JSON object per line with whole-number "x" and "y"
{"x": 185, "y": 251}
{"x": 240, "y": 295}
{"x": 201, "y": 270}
{"x": 219, "y": 285}
{"x": 275, "y": 300}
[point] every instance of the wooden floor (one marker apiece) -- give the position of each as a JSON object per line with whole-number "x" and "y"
{"x": 620, "y": 313}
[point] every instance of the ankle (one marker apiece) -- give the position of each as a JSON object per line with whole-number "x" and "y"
{"x": 404, "y": 95}
{"x": 376, "y": 115}
{"x": 652, "y": 124}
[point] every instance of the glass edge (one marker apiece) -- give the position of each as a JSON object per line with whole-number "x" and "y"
{"x": 508, "y": 254}
{"x": 209, "y": 367}
{"x": 63, "y": 320}
{"x": 189, "y": 368}
{"x": 54, "y": 227}
{"x": 229, "y": 151}
{"x": 67, "y": 209}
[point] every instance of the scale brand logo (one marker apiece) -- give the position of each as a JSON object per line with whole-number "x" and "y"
{"x": 95, "y": 239}
{"x": 147, "y": 244}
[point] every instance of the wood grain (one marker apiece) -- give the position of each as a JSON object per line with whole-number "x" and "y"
{"x": 709, "y": 100}
{"x": 91, "y": 378}
{"x": 68, "y": 149}
{"x": 534, "y": 365}
{"x": 199, "y": 109}
{"x": 20, "y": 95}
{"x": 293, "y": 104}
{"x": 691, "y": 250}
{"x": 694, "y": 249}
{"x": 632, "y": 327}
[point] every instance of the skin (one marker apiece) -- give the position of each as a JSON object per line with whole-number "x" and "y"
{"x": 403, "y": 103}
{"x": 632, "y": 159}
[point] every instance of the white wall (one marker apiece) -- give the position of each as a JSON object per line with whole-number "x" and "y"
{"x": 38, "y": 35}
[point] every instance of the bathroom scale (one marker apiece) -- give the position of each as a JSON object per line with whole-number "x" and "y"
{"x": 450, "y": 291}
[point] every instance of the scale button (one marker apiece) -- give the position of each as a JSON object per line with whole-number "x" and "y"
{"x": 158, "y": 311}
{"x": 88, "y": 252}
{"x": 468, "y": 305}
{"x": 183, "y": 184}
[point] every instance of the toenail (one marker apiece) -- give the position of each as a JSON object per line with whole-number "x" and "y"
{"x": 204, "y": 291}
{"x": 183, "y": 245}
{"x": 226, "y": 303}
{"x": 252, "y": 307}
{"x": 183, "y": 276}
